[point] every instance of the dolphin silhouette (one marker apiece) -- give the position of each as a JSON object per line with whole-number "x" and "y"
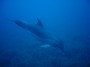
{"x": 39, "y": 30}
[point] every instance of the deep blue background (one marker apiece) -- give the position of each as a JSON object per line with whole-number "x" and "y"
{"x": 68, "y": 20}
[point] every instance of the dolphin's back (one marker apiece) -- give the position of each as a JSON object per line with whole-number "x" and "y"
{"x": 35, "y": 29}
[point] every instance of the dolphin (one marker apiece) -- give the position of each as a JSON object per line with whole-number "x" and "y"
{"x": 39, "y": 31}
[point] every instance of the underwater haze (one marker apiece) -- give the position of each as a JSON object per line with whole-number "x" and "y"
{"x": 44, "y": 33}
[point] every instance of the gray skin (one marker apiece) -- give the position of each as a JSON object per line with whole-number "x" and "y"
{"x": 40, "y": 32}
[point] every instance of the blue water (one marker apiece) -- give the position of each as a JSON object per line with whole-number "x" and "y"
{"x": 68, "y": 20}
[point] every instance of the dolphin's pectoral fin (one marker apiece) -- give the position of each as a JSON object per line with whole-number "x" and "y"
{"x": 39, "y": 23}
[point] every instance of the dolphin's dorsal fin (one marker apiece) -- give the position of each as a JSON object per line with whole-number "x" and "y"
{"x": 39, "y": 23}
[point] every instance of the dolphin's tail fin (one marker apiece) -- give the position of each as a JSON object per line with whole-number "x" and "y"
{"x": 59, "y": 46}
